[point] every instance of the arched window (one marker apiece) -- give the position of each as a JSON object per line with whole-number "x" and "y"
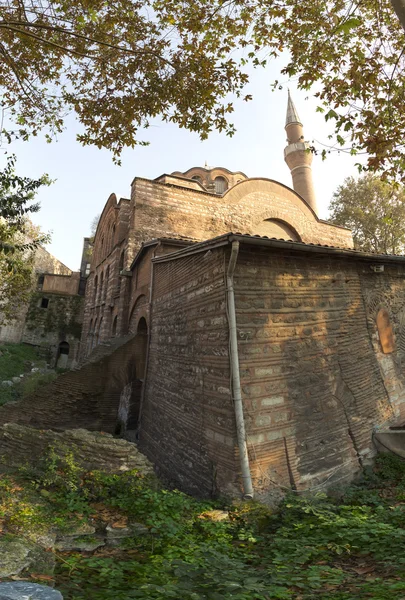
{"x": 197, "y": 178}
{"x": 101, "y": 287}
{"x": 120, "y": 267}
{"x": 95, "y": 289}
{"x": 107, "y": 276}
{"x": 221, "y": 185}
{"x": 112, "y": 237}
{"x": 100, "y": 332}
{"x": 95, "y": 335}
{"x": 142, "y": 326}
{"x": 385, "y": 332}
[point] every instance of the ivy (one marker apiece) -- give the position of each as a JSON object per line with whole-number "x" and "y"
{"x": 62, "y": 315}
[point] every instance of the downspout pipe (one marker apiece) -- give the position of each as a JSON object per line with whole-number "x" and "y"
{"x": 235, "y": 374}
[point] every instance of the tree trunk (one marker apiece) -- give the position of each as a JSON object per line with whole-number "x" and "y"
{"x": 399, "y": 7}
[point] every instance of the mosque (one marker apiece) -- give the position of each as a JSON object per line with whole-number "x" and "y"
{"x": 238, "y": 338}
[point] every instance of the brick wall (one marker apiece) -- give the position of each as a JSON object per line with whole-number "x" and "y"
{"x": 315, "y": 381}
{"x": 187, "y": 424}
{"x": 167, "y": 211}
{"x": 312, "y": 387}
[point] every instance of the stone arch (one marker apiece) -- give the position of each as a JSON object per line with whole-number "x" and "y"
{"x": 253, "y": 201}
{"x": 139, "y": 311}
{"x": 102, "y": 238}
{"x": 142, "y": 327}
{"x": 129, "y": 380}
{"x": 375, "y": 300}
{"x": 385, "y": 331}
{"x": 62, "y": 355}
{"x": 277, "y": 228}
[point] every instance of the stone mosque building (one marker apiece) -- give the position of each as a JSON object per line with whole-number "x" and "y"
{"x": 236, "y": 336}
{"x": 265, "y": 350}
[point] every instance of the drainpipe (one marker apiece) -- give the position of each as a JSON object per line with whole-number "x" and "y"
{"x": 235, "y": 374}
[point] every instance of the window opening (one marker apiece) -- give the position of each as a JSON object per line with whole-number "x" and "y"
{"x": 221, "y": 185}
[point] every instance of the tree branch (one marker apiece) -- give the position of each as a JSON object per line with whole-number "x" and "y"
{"x": 10, "y": 25}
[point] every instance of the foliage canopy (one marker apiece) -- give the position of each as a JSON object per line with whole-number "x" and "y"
{"x": 375, "y": 212}
{"x": 114, "y": 63}
{"x": 120, "y": 64}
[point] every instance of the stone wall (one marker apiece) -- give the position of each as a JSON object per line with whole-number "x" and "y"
{"x": 160, "y": 210}
{"x": 44, "y": 262}
{"x": 311, "y": 383}
{"x": 172, "y": 207}
{"x": 57, "y": 322}
{"x": 315, "y": 379}
{"x": 187, "y": 424}
{"x": 62, "y": 284}
{"x": 21, "y": 446}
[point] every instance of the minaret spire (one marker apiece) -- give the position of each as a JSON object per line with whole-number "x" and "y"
{"x": 292, "y": 114}
{"x": 298, "y": 157}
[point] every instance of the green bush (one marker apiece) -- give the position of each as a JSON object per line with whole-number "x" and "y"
{"x": 313, "y": 547}
{"x": 34, "y": 381}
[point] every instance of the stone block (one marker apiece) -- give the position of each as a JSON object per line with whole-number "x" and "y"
{"x": 24, "y": 590}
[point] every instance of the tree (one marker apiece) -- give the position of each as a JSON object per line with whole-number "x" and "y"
{"x": 375, "y": 212}
{"x": 120, "y": 64}
{"x": 350, "y": 53}
{"x": 93, "y": 225}
{"x": 18, "y": 238}
{"x": 113, "y": 64}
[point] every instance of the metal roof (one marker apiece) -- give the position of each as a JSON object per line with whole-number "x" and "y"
{"x": 280, "y": 243}
{"x": 292, "y": 114}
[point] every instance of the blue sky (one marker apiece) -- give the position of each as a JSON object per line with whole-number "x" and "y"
{"x": 85, "y": 177}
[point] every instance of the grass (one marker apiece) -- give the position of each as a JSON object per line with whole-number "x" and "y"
{"x": 313, "y": 547}
{"x": 15, "y": 360}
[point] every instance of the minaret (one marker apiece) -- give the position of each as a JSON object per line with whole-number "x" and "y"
{"x": 298, "y": 157}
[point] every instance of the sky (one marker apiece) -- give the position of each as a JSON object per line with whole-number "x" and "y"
{"x": 85, "y": 176}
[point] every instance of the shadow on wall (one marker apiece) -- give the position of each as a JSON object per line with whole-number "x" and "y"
{"x": 88, "y": 397}
{"x": 129, "y": 385}
{"x": 321, "y": 392}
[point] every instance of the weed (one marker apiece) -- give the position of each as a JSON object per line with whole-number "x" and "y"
{"x": 313, "y": 547}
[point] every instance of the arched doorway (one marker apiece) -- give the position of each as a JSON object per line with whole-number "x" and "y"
{"x": 131, "y": 392}
{"x": 63, "y": 355}
{"x": 141, "y": 345}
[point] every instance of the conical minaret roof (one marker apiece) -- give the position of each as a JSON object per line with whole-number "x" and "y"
{"x": 292, "y": 114}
